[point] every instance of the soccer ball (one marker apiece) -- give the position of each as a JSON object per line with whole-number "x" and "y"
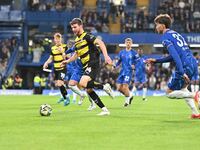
{"x": 45, "y": 110}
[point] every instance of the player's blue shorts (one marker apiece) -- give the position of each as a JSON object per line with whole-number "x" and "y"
{"x": 74, "y": 75}
{"x": 177, "y": 82}
{"x": 124, "y": 79}
{"x": 140, "y": 79}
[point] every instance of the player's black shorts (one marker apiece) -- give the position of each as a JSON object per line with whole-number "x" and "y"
{"x": 92, "y": 70}
{"x": 60, "y": 74}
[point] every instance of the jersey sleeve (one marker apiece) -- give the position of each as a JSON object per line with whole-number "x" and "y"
{"x": 119, "y": 60}
{"x": 70, "y": 50}
{"x": 90, "y": 38}
{"x": 173, "y": 53}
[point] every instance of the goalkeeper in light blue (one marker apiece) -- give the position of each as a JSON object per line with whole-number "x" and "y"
{"x": 186, "y": 67}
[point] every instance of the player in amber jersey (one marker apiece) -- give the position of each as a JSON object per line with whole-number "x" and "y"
{"x": 57, "y": 57}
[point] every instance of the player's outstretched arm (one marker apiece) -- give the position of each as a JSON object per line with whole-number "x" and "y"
{"x": 104, "y": 51}
{"x": 49, "y": 60}
{"x": 72, "y": 58}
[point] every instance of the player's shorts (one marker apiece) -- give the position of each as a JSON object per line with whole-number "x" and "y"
{"x": 75, "y": 75}
{"x": 177, "y": 82}
{"x": 124, "y": 79}
{"x": 140, "y": 79}
{"x": 92, "y": 71}
{"x": 60, "y": 74}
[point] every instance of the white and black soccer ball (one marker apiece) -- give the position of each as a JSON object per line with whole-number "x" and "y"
{"x": 45, "y": 110}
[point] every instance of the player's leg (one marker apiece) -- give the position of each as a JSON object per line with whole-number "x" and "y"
{"x": 65, "y": 96}
{"x": 128, "y": 95}
{"x": 92, "y": 105}
{"x": 85, "y": 79}
{"x": 173, "y": 92}
{"x": 74, "y": 98}
{"x": 190, "y": 102}
{"x": 144, "y": 91}
{"x": 119, "y": 88}
{"x": 73, "y": 86}
{"x": 89, "y": 83}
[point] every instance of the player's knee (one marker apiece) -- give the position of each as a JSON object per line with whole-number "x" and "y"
{"x": 89, "y": 90}
{"x": 72, "y": 83}
{"x": 83, "y": 84}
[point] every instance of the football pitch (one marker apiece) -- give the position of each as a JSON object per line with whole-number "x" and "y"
{"x": 157, "y": 124}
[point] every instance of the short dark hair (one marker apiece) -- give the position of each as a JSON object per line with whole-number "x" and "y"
{"x": 164, "y": 19}
{"x": 195, "y": 54}
{"x": 76, "y": 21}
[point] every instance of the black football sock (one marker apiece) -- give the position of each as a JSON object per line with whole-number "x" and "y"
{"x": 93, "y": 84}
{"x": 63, "y": 91}
{"x": 96, "y": 99}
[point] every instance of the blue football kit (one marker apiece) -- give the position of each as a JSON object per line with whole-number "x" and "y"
{"x": 140, "y": 71}
{"x": 127, "y": 59}
{"x": 180, "y": 53}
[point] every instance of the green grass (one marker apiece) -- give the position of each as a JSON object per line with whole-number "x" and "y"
{"x": 158, "y": 124}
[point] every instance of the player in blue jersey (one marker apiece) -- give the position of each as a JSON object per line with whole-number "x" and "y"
{"x": 195, "y": 78}
{"x": 181, "y": 55}
{"x": 127, "y": 57}
{"x": 140, "y": 78}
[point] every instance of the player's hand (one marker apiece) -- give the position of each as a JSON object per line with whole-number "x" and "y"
{"x": 186, "y": 78}
{"x": 63, "y": 63}
{"x": 45, "y": 66}
{"x": 108, "y": 60}
{"x": 150, "y": 61}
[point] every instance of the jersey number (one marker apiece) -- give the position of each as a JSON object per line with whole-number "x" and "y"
{"x": 180, "y": 40}
{"x": 126, "y": 78}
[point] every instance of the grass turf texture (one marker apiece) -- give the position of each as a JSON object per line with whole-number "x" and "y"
{"x": 157, "y": 124}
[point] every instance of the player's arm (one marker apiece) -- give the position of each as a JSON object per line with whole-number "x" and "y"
{"x": 164, "y": 59}
{"x": 70, "y": 50}
{"x": 173, "y": 53}
{"x": 72, "y": 58}
{"x": 104, "y": 50}
{"x": 49, "y": 60}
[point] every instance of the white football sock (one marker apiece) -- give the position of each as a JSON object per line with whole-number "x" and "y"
{"x": 191, "y": 104}
{"x": 76, "y": 90}
{"x": 74, "y": 96}
{"x": 196, "y": 87}
{"x": 134, "y": 90}
{"x": 180, "y": 94}
{"x": 144, "y": 92}
{"x": 192, "y": 88}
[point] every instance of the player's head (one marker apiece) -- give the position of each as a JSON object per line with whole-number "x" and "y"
{"x": 196, "y": 55}
{"x": 162, "y": 22}
{"x": 57, "y": 38}
{"x": 140, "y": 51}
{"x": 128, "y": 43}
{"x": 77, "y": 26}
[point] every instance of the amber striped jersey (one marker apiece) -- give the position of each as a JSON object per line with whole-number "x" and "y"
{"x": 86, "y": 49}
{"x": 57, "y": 56}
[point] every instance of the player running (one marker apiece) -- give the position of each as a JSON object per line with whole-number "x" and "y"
{"x": 140, "y": 78}
{"x": 127, "y": 57}
{"x": 181, "y": 55}
{"x": 56, "y": 57}
{"x": 85, "y": 46}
